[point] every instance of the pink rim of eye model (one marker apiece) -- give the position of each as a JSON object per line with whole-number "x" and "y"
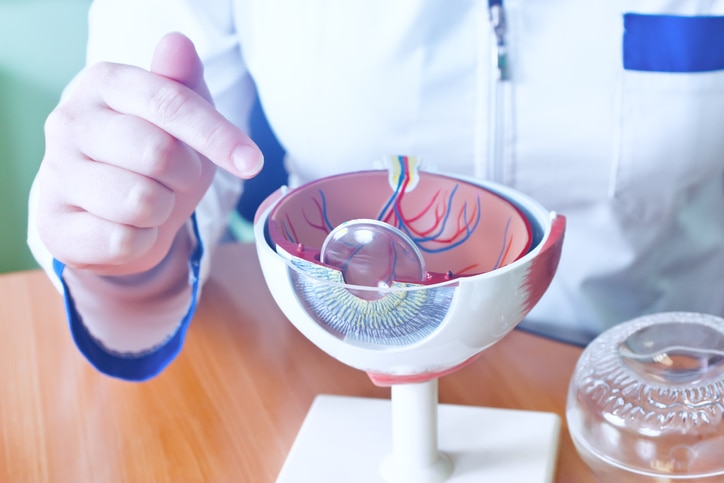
{"x": 460, "y": 228}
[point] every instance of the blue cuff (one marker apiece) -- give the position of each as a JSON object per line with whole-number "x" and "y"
{"x": 132, "y": 366}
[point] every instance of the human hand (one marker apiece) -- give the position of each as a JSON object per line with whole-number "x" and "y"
{"x": 129, "y": 154}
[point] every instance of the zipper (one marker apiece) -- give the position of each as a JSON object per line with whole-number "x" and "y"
{"x": 496, "y": 15}
{"x": 499, "y": 98}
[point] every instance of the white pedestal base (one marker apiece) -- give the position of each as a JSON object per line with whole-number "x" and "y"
{"x": 347, "y": 438}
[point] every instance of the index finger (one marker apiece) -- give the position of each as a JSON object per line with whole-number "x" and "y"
{"x": 183, "y": 113}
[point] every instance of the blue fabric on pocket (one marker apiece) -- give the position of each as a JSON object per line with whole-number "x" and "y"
{"x": 670, "y": 43}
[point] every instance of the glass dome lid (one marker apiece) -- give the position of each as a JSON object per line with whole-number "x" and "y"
{"x": 647, "y": 397}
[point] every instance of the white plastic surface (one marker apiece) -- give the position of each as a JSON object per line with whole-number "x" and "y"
{"x": 415, "y": 456}
{"x": 347, "y": 438}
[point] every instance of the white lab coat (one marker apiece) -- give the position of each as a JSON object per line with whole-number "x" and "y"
{"x": 634, "y": 160}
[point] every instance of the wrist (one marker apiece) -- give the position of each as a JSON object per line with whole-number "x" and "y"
{"x": 135, "y": 313}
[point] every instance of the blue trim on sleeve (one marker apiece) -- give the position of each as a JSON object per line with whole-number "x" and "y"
{"x": 129, "y": 366}
{"x": 670, "y": 43}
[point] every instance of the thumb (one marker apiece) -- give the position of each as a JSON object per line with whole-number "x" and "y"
{"x": 175, "y": 58}
{"x": 196, "y": 123}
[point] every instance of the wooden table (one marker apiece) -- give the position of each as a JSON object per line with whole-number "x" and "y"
{"x": 229, "y": 408}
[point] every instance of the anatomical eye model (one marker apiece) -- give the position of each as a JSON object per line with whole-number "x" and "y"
{"x": 408, "y": 276}
{"x": 392, "y": 232}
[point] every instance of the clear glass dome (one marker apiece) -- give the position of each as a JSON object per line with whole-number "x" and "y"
{"x": 645, "y": 402}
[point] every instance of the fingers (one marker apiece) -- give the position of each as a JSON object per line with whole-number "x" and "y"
{"x": 98, "y": 244}
{"x": 152, "y": 152}
{"x": 119, "y": 195}
{"x": 127, "y": 160}
{"x": 174, "y": 98}
{"x": 175, "y": 58}
{"x": 109, "y": 220}
{"x": 182, "y": 113}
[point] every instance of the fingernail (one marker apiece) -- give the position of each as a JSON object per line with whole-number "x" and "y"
{"x": 247, "y": 159}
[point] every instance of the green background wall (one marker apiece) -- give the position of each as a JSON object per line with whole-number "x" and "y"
{"x": 42, "y": 45}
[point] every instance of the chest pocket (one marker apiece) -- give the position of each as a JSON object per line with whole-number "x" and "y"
{"x": 671, "y": 110}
